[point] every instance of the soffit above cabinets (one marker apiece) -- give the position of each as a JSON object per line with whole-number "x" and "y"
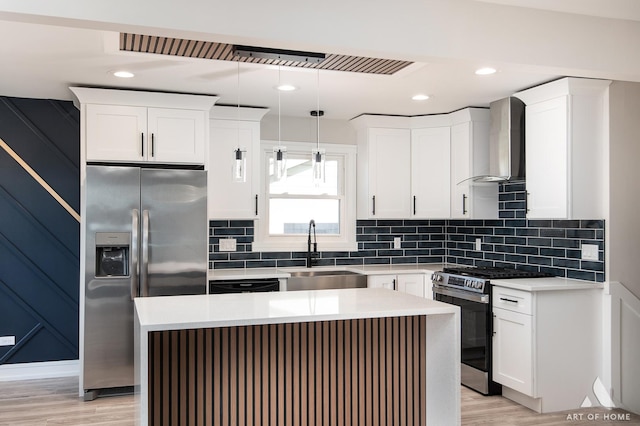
{"x": 225, "y": 52}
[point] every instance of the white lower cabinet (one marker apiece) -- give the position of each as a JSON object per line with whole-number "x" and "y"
{"x": 412, "y": 284}
{"x": 546, "y": 346}
{"x": 382, "y": 281}
{"x": 512, "y": 350}
{"x": 415, "y": 284}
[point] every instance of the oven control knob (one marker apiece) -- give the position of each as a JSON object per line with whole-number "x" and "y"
{"x": 436, "y": 278}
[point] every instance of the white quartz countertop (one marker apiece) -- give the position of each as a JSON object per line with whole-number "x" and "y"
{"x": 547, "y": 284}
{"x": 238, "y": 309}
{"x": 256, "y": 273}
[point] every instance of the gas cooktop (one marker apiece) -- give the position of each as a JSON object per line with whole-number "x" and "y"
{"x": 494, "y": 272}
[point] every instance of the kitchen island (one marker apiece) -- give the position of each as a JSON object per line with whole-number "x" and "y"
{"x": 352, "y": 356}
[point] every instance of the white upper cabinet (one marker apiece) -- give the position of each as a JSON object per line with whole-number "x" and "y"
{"x": 232, "y": 128}
{"x": 384, "y": 188}
{"x": 116, "y": 133}
{"x": 430, "y": 172}
{"x": 565, "y": 148}
{"x": 441, "y": 150}
{"x": 177, "y": 135}
{"x": 141, "y": 127}
{"x": 470, "y": 158}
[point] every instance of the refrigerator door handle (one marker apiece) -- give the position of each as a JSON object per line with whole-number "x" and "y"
{"x": 134, "y": 268}
{"x": 144, "y": 287}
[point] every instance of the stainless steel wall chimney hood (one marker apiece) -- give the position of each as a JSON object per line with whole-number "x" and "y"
{"x": 506, "y": 141}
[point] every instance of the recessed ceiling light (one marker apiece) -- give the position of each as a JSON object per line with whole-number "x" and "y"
{"x": 286, "y": 87}
{"x": 485, "y": 71}
{"x": 420, "y": 97}
{"x": 123, "y": 74}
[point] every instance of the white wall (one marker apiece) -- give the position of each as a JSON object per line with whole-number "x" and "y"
{"x": 623, "y": 225}
{"x": 623, "y": 235}
{"x": 298, "y": 129}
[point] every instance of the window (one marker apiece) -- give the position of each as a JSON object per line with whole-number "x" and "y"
{"x": 291, "y": 204}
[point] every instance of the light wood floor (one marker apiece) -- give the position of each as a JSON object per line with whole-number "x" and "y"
{"x": 56, "y": 402}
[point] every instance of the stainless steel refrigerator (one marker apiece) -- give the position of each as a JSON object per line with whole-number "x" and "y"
{"x": 146, "y": 235}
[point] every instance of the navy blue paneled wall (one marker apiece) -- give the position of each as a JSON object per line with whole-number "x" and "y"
{"x": 513, "y": 241}
{"x": 39, "y": 240}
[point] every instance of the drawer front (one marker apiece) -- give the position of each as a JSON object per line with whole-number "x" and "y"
{"x": 513, "y": 300}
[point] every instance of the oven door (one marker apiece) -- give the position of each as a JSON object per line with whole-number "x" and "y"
{"x": 475, "y": 319}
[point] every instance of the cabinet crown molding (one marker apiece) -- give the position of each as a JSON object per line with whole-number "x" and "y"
{"x": 365, "y": 121}
{"x": 562, "y": 87}
{"x": 220, "y": 112}
{"x": 89, "y": 95}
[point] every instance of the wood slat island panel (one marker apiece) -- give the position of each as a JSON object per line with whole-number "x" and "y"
{"x": 327, "y": 357}
{"x": 253, "y": 375}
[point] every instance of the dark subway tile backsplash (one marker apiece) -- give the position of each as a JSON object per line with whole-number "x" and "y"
{"x": 512, "y": 241}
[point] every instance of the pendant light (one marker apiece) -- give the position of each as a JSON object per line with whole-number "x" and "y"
{"x": 239, "y": 171}
{"x": 318, "y": 155}
{"x": 279, "y": 152}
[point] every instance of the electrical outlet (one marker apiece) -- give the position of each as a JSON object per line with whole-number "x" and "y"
{"x": 397, "y": 243}
{"x": 478, "y": 244}
{"x": 589, "y": 252}
{"x": 7, "y": 340}
{"x": 227, "y": 244}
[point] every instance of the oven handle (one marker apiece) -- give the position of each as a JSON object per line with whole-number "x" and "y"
{"x": 479, "y": 298}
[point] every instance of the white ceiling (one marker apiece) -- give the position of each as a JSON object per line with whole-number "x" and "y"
{"x": 616, "y": 9}
{"x": 43, "y": 60}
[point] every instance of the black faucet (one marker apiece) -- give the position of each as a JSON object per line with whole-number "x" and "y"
{"x": 312, "y": 256}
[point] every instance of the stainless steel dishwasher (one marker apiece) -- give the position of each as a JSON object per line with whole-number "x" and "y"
{"x": 244, "y": 285}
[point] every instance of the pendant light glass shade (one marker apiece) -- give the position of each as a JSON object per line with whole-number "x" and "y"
{"x": 280, "y": 162}
{"x": 317, "y": 165}
{"x": 239, "y": 166}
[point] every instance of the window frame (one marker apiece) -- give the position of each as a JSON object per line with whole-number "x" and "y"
{"x": 346, "y": 240}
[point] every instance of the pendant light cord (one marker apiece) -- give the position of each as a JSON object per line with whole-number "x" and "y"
{"x": 279, "y": 114}
{"x": 238, "y": 100}
{"x": 318, "y": 107}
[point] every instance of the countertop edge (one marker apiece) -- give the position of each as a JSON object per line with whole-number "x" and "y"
{"x": 285, "y": 272}
{"x": 188, "y": 312}
{"x": 547, "y": 284}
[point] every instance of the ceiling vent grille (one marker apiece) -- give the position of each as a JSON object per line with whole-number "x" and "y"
{"x": 226, "y": 52}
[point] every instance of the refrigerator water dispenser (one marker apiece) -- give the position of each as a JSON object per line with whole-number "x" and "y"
{"x": 112, "y": 254}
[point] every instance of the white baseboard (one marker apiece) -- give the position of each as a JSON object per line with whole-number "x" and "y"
{"x": 39, "y": 370}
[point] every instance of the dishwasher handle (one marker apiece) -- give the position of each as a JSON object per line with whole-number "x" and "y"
{"x": 244, "y": 286}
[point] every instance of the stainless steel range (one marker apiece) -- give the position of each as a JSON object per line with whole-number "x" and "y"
{"x": 470, "y": 289}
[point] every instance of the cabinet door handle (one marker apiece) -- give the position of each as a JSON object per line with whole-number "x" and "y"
{"x": 414, "y": 205}
{"x": 373, "y": 212}
{"x": 493, "y": 324}
{"x": 393, "y": 283}
{"x": 256, "y": 204}
{"x": 464, "y": 204}
{"x": 153, "y": 145}
{"x": 504, "y": 299}
{"x": 526, "y": 201}
{"x": 142, "y": 143}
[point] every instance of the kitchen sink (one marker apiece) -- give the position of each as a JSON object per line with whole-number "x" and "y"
{"x": 325, "y": 280}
